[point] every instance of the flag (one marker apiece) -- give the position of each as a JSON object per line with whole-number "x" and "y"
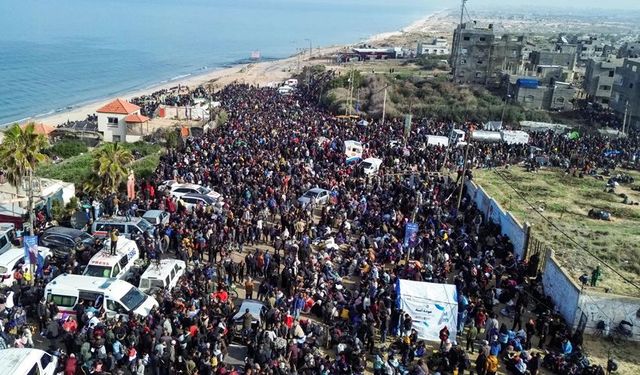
{"x": 31, "y": 249}
{"x": 411, "y": 234}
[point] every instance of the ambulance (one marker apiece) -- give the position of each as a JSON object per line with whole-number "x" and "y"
{"x": 119, "y": 266}
{"x": 118, "y": 297}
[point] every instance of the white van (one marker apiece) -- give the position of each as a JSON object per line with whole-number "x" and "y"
{"x": 353, "y": 150}
{"x": 162, "y": 276}
{"x": 23, "y": 361}
{"x": 119, "y": 266}
{"x": 292, "y": 82}
{"x": 285, "y": 90}
{"x": 371, "y": 166}
{"x": 117, "y": 296}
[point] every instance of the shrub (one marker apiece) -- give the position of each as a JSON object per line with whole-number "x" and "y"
{"x": 67, "y": 148}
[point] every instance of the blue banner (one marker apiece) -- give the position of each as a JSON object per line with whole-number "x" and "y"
{"x": 411, "y": 235}
{"x": 30, "y": 249}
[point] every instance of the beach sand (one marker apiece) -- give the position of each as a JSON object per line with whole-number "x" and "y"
{"x": 267, "y": 72}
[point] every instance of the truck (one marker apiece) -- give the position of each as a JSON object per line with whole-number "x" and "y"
{"x": 437, "y": 140}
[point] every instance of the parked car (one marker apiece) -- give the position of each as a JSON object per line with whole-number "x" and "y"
{"x": 14, "y": 258}
{"x": 256, "y": 309}
{"x": 156, "y": 217}
{"x": 62, "y": 241}
{"x": 321, "y": 196}
{"x": 179, "y": 190}
{"x": 8, "y": 238}
{"x": 129, "y": 228}
{"x": 192, "y": 200}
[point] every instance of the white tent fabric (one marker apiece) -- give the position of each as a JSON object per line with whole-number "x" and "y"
{"x": 431, "y": 307}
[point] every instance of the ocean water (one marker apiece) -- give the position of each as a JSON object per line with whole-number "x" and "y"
{"x": 63, "y": 53}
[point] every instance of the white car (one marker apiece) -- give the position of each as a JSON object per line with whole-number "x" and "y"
{"x": 179, "y": 190}
{"x": 10, "y": 259}
{"x": 321, "y": 196}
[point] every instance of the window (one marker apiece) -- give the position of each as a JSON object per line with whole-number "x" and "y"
{"x": 112, "y": 121}
{"x": 115, "y": 306}
{"x": 478, "y": 74}
{"x": 45, "y": 360}
{"x": 605, "y": 87}
{"x": 117, "y": 138}
{"x": 60, "y": 300}
{"x": 466, "y": 38}
{"x": 173, "y": 273}
{"x": 631, "y": 85}
{"x": 34, "y": 370}
{"x": 123, "y": 262}
{"x": 480, "y": 62}
{"x": 634, "y": 68}
{"x": 560, "y": 100}
{"x": 3, "y": 241}
{"x": 482, "y": 39}
{"x": 166, "y": 281}
{"x": 605, "y": 100}
{"x": 116, "y": 270}
{"x": 528, "y": 99}
{"x": 612, "y": 73}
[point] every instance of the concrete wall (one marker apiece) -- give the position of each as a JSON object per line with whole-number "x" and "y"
{"x": 563, "y": 292}
{"x": 492, "y": 210}
{"x": 109, "y": 131}
{"x": 609, "y": 308}
{"x": 566, "y": 294}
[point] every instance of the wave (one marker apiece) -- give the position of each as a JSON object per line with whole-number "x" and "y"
{"x": 180, "y": 77}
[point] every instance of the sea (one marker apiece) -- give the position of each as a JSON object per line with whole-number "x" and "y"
{"x": 61, "y": 54}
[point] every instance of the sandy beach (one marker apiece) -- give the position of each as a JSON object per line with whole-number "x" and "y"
{"x": 267, "y": 72}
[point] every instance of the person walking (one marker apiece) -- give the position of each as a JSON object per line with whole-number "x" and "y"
{"x": 472, "y": 336}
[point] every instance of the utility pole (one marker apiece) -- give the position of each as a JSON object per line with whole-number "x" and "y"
{"x": 624, "y": 119}
{"x": 456, "y": 56}
{"x": 310, "y": 48}
{"x": 464, "y": 172}
{"x": 384, "y": 105}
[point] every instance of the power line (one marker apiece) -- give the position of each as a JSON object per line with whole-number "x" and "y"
{"x": 564, "y": 234}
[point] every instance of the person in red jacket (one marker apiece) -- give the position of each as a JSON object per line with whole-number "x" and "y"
{"x": 71, "y": 365}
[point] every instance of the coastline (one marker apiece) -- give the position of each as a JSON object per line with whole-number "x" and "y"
{"x": 259, "y": 73}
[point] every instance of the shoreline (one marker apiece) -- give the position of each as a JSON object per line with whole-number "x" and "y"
{"x": 259, "y": 72}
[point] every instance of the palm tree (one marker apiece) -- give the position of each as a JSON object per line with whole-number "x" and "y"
{"x": 20, "y": 155}
{"x": 110, "y": 166}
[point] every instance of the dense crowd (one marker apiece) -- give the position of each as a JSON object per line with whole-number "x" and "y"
{"x": 325, "y": 272}
{"x": 176, "y": 96}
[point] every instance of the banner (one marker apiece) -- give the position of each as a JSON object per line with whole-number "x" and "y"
{"x": 411, "y": 235}
{"x": 407, "y": 126}
{"x": 431, "y": 307}
{"x": 30, "y": 249}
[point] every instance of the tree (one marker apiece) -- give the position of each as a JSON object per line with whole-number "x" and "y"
{"x": 109, "y": 166}
{"x": 20, "y": 154}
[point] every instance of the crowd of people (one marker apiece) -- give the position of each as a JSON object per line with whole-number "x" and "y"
{"x": 176, "y": 96}
{"x": 326, "y": 273}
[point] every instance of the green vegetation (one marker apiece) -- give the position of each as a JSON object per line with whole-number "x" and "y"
{"x": 566, "y": 200}
{"x": 20, "y": 155}
{"x": 67, "y": 148}
{"x": 78, "y": 169}
{"x": 409, "y": 89}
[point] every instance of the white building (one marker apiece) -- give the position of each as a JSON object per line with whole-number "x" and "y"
{"x": 439, "y": 46}
{"x": 119, "y": 119}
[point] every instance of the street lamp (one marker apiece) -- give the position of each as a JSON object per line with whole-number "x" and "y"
{"x": 310, "y": 47}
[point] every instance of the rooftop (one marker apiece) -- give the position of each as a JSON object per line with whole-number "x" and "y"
{"x": 119, "y": 106}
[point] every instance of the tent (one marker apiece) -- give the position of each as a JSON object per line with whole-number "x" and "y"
{"x": 431, "y": 307}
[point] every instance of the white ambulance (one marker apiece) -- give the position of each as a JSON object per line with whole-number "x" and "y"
{"x": 118, "y": 297}
{"x": 119, "y": 266}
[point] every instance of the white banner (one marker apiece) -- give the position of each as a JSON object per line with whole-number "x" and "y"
{"x": 431, "y": 307}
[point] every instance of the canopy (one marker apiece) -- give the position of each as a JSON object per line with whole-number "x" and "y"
{"x": 431, "y": 306}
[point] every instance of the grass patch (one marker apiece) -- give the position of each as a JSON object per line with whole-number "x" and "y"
{"x": 77, "y": 169}
{"x": 566, "y": 200}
